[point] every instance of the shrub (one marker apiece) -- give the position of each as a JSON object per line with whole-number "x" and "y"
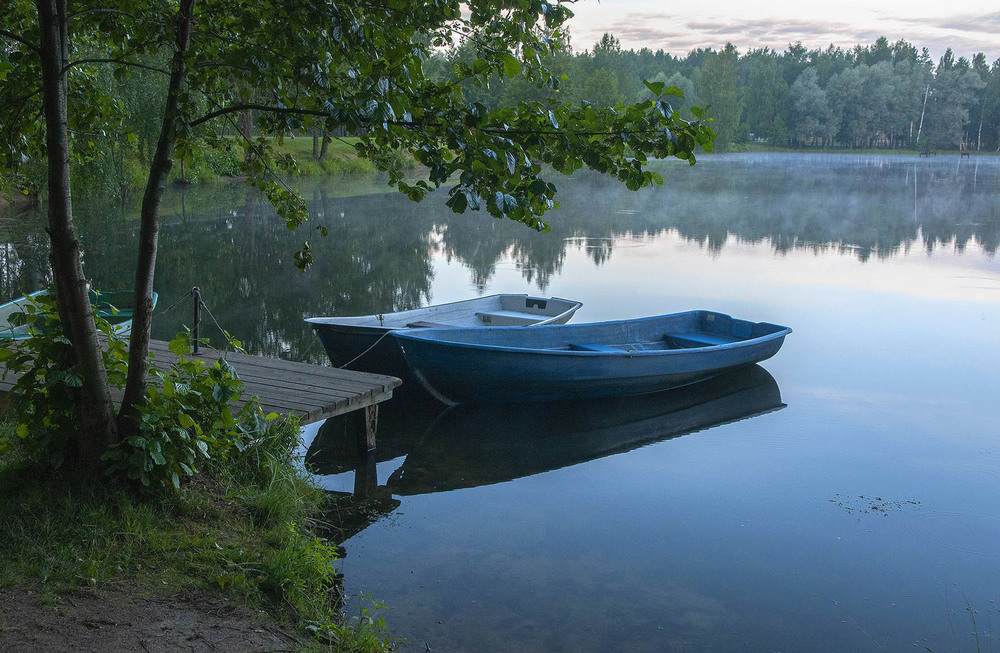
{"x": 43, "y": 398}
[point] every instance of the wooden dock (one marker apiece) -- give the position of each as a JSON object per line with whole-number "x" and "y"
{"x": 311, "y": 392}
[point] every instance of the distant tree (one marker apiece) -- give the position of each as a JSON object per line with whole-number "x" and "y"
{"x": 765, "y": 96}
{"x": 717, "y": 84}
{"x": 794, "y": 60}
{"x": 811, "y": 118}
{"x": 601, "y": 88}
{"x": 952, "y": 95}
{"x": 608, "y": 46}
{"x": 986, "y": 103}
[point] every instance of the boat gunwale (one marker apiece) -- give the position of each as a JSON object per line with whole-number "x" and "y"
{"x": 358, "y": 321}
{"x": 425, "y": 335}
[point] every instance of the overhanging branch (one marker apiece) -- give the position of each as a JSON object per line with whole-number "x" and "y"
{"x": 26, "y": 43}
{"x": 239, "y": 108}
{"x": 121, "y": 62}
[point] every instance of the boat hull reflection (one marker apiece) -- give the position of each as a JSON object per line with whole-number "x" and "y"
{"x": 472, "y": 446}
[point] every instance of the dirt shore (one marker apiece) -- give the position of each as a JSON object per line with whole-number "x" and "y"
{"x": 114, "y": 618}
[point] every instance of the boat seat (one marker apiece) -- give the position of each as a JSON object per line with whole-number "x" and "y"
{"x": 604, "y": 348}
{"x": 509, "y": 318}
{"x": 421, "y": 324}
{"x": 120, "y": 315}
{"x": 698, "y": 339}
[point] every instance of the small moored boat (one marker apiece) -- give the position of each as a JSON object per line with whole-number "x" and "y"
{"x": 581, "y": 361}
{"x": 361, "y": 342}
{"x": 115, "y": 306}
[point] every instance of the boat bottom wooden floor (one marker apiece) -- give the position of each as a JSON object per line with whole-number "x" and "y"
{"x": 672, "y": 341}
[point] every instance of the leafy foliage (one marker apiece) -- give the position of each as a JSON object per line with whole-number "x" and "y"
{"x": 365, "y": 73}
{"x": 43, "y": 397}
{"x": 349, "y": 66}
{"x": 186, "y": 421}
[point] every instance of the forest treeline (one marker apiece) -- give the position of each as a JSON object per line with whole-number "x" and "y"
{"x": 879, "y": 96}
{"x": 890, "y": 96}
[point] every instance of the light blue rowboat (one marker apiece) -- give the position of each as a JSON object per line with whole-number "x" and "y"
{"x": 361, "y": 342}
{"x": 115, "y": 306}
{"x": 581, "y": 361}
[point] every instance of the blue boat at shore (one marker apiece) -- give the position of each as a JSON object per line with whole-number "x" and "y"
{"x": 17, "y": 320}
{"x": 581, "y": 361}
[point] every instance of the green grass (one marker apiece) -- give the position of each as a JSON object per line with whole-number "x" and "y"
{"x": 244, "y": 532}
{"x": 341, "y": 157}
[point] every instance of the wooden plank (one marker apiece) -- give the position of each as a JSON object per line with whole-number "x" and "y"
{"x": 276, "y": 372}
{"x": 312, "y": 392}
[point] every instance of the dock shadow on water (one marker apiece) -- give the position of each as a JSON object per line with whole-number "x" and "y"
{"x": 445, "y": 449}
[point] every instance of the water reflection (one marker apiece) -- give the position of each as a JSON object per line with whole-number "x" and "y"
{"x": 381, "y": 250}
{"x": 471, "y": 446}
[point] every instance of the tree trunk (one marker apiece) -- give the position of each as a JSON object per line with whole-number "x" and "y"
{"x": 96, "y": 411}
{"x": 326, "y": 142}
{"x": 920, "y": 129}
{"x": 982, "y": 115}
{"x": 138, "y": 356}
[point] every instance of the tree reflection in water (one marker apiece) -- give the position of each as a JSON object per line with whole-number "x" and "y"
{"x": 379, "y": 255}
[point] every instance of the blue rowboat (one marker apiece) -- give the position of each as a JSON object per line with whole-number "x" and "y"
{"x": 115, "y": 306}
{"x": 361, "y": 342}
{"x": 582, "y": 361}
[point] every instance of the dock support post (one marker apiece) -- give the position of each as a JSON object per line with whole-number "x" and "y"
{"x": 365, "y": 426}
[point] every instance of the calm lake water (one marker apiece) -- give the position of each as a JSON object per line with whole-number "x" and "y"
{"x": 842, "y": 496}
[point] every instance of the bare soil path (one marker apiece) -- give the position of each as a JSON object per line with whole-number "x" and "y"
{"x": 114, "y": 618}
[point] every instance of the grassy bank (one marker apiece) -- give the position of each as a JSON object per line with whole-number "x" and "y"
{"x": 207, "y": 163}
{"x": 123, "y": 173}
{"x": 245, "y": 532}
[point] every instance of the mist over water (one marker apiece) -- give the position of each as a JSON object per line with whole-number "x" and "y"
{"x": 842, "y": 496}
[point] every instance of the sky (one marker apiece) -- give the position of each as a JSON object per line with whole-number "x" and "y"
{"x": 678, "y": 26}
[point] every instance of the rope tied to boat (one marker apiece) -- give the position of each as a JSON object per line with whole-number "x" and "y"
{"x": 373, "y": 346}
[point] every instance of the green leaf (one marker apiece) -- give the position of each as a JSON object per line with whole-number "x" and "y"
{"x": 180, "y": 345}
{"x": 458, "y": 202}
{"x": 185, "y": 420}
{"x": 656, "y": 88}
{"x": 511, "y": 66}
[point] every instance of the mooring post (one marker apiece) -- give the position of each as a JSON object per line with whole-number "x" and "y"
{"x": 196, "y": 291}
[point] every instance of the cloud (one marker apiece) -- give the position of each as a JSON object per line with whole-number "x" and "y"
{"x": 679, "y": 32}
